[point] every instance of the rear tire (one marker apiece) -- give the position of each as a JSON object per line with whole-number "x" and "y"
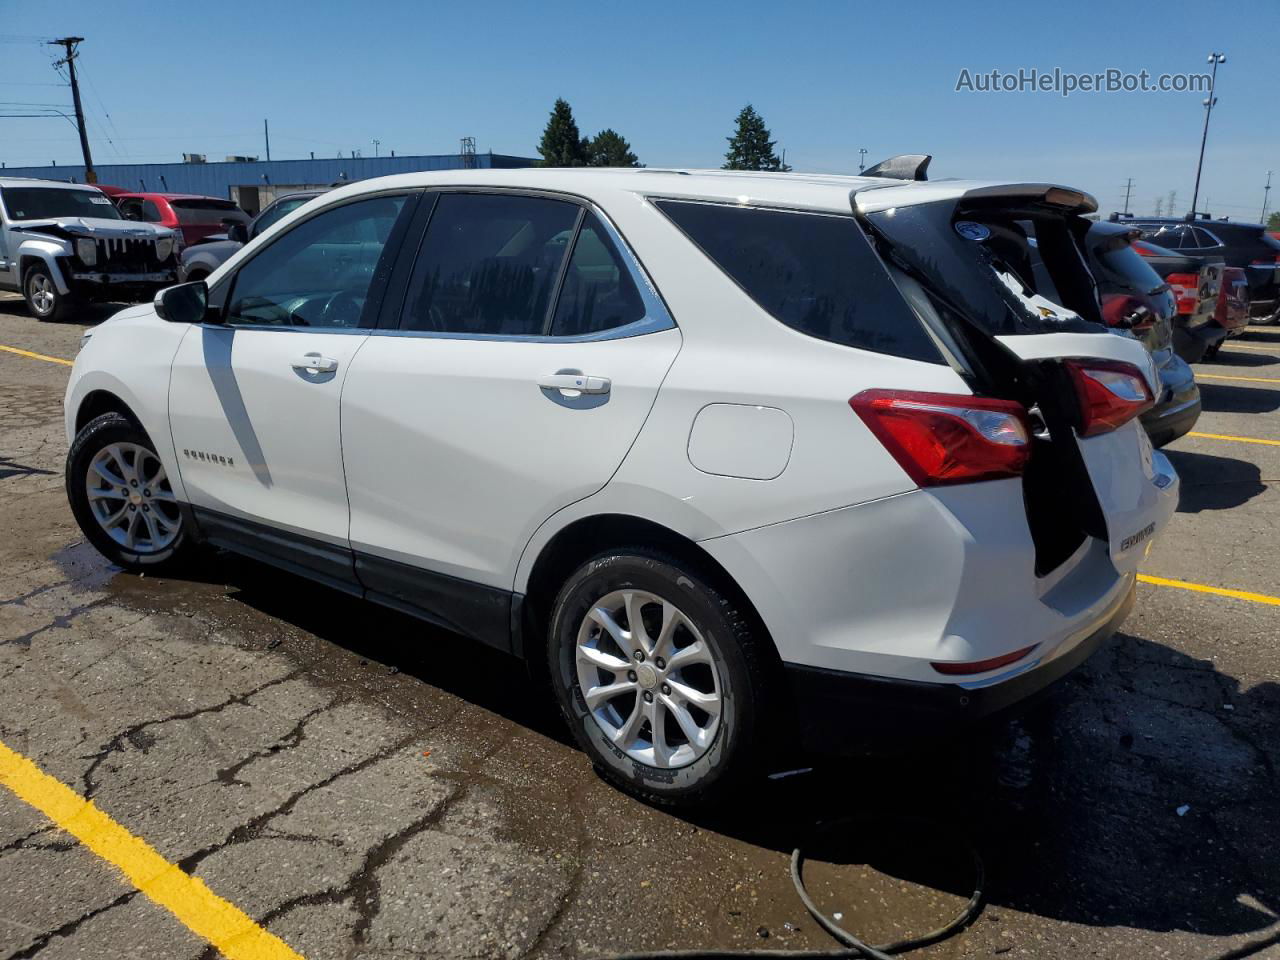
{"x": 1212, "y": 351}
{"x": 42, "y": 296}
{"x": 122, "y": 499}
{"x": 708, "y": 699}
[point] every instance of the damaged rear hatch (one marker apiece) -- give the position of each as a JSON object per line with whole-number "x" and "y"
{"x": 966, "y": 265}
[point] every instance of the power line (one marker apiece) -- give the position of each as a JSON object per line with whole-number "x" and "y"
{"x": 70, "y": 44}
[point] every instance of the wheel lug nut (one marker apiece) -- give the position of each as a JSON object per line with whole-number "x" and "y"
{"x": 660, "y": 663}
{"x": 133, "y": 506}
{"x": 648, "y": 697}
{"x": 133, "y": 483}
{"x": 666, "y": 689}
{"x": 639, "y": 656}
{"x": 631, "y": 675}
{"x": 146, "y": 492}
{"x": 145, "y": 508}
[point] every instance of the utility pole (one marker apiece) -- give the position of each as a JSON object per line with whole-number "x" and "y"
{"x": 1128, "y": 189}
{"x": 266, "y": 135}
{"x": 862, "y": 158}
{"x": 1215, "y": 59}
{"x": 376, "y": 144}
{"x": 70, "y": 43}
{"x": 1266, "y": 195}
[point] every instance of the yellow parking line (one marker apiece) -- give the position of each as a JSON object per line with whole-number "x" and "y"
{"x": 1227, "y": 436}
{"x": 36, "y": 356}
{"x": 1218, "y": 591}
{"x": 1249, "y": 346}
{"x": 206, "y": 914}
{"x": 1218, "y": 376}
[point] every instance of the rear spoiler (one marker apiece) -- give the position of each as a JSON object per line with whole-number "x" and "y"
{"x": 1074, "y": 201}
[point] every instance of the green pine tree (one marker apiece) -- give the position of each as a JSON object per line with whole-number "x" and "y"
{"x": 562, "y": 144}
{"x": 750, "y": 147}
{"x": 608, "y": 148}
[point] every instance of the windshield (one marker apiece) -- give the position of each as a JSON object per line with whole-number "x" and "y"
{"x": 207, "y": 212}
{"x": 44, "y": 203}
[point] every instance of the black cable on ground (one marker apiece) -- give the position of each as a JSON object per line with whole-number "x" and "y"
{"x": 852, "y": 946}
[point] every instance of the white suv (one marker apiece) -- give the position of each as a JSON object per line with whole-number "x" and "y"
{"x": 744, "y": 461}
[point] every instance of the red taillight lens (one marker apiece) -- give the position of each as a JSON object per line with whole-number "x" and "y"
{"x": 1186, "y": 290}
{"x": 943, "y": 438}
{"x": 954, "y": 669}
{"x": 1111, "y": 394}
{"x": 1264, "y": 262}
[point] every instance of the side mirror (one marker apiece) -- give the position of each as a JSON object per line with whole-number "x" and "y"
{"x": 237, "y": 232}
{"x": 185, "y": 303}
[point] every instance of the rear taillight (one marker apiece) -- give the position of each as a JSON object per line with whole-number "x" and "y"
{"x": 1111, "y": 393}
{"x": 1186, "y": 290}
{"x": 1266, "y": 262}
{"x": 944, "y": 438}
{"x": 954, "y": 669}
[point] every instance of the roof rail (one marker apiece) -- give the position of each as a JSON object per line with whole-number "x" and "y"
{"x": 905, "y": 166}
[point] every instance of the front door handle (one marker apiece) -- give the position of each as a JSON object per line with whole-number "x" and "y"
{"x": 314, "y": 363}
{"x": 579, "y": 382}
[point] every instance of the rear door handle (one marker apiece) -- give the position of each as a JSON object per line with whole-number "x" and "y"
{"x": 315, "y": 362}
{"x": 575, "y": 381}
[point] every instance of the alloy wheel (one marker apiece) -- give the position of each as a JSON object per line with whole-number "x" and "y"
{"x": 43, "y": 296}
{"x": 649, "y": 678}
{"x": 131, "y": 498}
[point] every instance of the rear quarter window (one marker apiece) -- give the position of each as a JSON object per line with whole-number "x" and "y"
{"x": 816, "y": 273}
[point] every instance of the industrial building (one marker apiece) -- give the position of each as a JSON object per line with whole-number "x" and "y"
{"x": 254, "y": 183}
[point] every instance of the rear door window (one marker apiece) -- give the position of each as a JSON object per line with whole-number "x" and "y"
{"x": 597, "y": 293}
{"x": 489, "y": 264}
{"x": 816, "y": 273}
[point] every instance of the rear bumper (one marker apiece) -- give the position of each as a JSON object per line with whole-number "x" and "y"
{"x": 1179, "y": 406}
{"x": 1191, "y": 343}
{"x": 847, "y": 713}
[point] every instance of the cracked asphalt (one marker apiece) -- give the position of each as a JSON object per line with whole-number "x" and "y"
{"x": 364, "y": 785}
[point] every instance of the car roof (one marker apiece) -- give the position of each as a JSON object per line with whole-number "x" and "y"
{"x": 170, "y": 196}
{"x": 806, "y": 191}
{"x": 33, "y": 182}
{"x": 1202, "y": 222}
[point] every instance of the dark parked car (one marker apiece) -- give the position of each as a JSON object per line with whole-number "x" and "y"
{"x": 192, "y": 217}
{"x": 1244, "y": 245}
{"x": 1196, "y": 284}
{"x": 1137, "y": 299}
{"x": 1137, "y": 303}
{"x": 201, "y": 259}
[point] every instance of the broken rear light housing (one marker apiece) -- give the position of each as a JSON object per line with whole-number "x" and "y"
{"x": 943, "y": 438}
{"x": 1111, "y": 393}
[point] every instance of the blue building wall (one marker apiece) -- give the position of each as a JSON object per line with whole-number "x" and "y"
{"x": 217, "y": 179}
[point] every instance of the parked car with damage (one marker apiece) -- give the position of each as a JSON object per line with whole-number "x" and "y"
{"x": 742, "y": 464}
{"x": 1196, "y": 284}
{"x": 198, "y": 261}
{"x": 62, "y": 244}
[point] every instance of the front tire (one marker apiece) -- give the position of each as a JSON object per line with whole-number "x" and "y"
{"x": 659, "y": 676}
{"x": 121, "y": 496}
{"x": 42, "y": 296}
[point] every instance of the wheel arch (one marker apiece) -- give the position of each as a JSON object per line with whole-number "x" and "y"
{"x": 100, "y": 401}
{"x": 588, "y": 536}
{"x": 45, "y": 253}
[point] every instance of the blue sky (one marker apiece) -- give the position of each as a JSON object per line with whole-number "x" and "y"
{"x": 828, "y": 77}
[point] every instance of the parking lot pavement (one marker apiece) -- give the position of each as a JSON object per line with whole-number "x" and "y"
{"x": 363, "y": 785}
